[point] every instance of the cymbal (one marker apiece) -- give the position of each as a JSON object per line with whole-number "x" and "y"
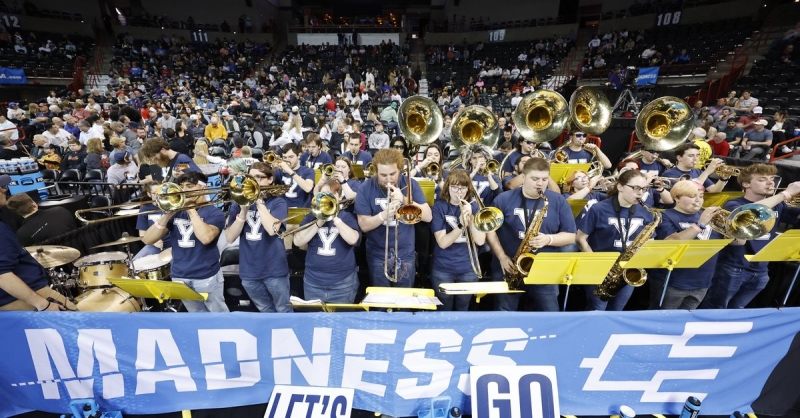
{"x": 126, "y": 239}
{"x": 50, "y": 256}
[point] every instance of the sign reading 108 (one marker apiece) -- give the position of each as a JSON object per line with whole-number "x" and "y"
{"x": 668, "y": 18}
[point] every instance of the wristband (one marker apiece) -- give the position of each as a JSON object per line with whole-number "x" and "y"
{"x": 293, "y": 174}
{"x": 45, "y": 308}
{"x": 787, "y": 195}
{"x": 159, "y": 226}
{"x": 697, "y": 227}
{"x": 551, "y": 239}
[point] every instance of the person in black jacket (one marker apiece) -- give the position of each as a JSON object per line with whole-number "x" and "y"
{"x": 176, "y": 143}
{"x": 75, "y": 157}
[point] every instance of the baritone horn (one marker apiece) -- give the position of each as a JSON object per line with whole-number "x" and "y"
{"x": 664, "y": 123}
{"x": 541, "y": 116}
{"x": 420, "y": 120}
{"x": 590, "y": 110}
{"x": 746, "y": 222}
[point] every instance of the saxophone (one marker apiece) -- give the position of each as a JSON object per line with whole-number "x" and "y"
{"x": 524, "y": 257}
{"x": 618, "y": 277}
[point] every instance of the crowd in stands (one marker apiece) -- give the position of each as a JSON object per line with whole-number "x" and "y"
{"x": 29, "y": 8}
{"x": 35, "y": 51}
{"x": 244, "y": 23}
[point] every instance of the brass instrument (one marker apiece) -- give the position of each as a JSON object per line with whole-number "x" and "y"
{"x": 618, "y": 277}
{"x": 492, "y": 167}
{"x": 327, "y": 170}
{"x": 274, "y": 190}
{"x": 746, "y": 222}
{"x": 408, "y": 214}
{"x": 475, "y": 125}
{"x": 324, "y": 206}
{"x": 523, "y": 259}
{"x": 793, "y": 202}
{"x": 541, "y": 116}
{"x": 420, "y": 120}
{"x": 272, "y": 159}
{"x": 370, "y": 170}
{"x": 487, "y": 219}
{"x": 432, "y": 170}
{"x": 724, "y": 171}
{"x": 560, "y": 155}
{"x": 243, "y": 189}
{"x": 590, "y": 110}
{"x": 664, "y": 123}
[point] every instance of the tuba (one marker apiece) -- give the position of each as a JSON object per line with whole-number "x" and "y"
{"x": 590, "y": 110}
{"x": 747, "y": 222}
{"x": 618, "y": 277}
{"x": 420, "y": 120}
{"x": 664, "y": 123}
{"x": 523, "y": 259}
{"x": 475, "y": 125}
{"x": 541, "y": 116}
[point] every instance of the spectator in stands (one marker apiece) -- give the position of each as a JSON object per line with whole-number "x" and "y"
{"x": 40, "y": 225}
{"x": 230, "y": 124}
{"x": 782, "y": 130}
{"x": 96, "y": 156}
{"x": 734, "y": 135}
{"x": 719, "y": 146}
{"x": 683, "y": 58}
{"x": 717, "y": 108}
{"x": 732, "y": 99}
{"x": 71, "y": 126}
{"x": 215, "y": 130}
{"x": 7, "y": 128}
{"x": 196, "y": 128}
{"x": 81, "y": 112}
{"x": 75, "y": 157}
{"x": 389, "y": 116}
{"x": 758, "y": 141}
{"x": 9, "y": 149}
{"x": 176, "y": 143}
{"x": 310, "y": 119}
{"x": 378, "y": 139}
{"x": 748, "y": 121}
{"x": 51, "y": 160}
{"x": 131, "y": 140}
{"x": 124, "y": 170}
{"x": 746, "y": 104}
{"x": 56, "y": 136}
{"x": 119, "y": 146}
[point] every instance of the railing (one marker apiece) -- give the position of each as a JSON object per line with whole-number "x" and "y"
{"x": 97, "y": 63}
{"x": 118, "y": 193}
{"x": 344, "y": 29}
{"x": 777, "y": 146}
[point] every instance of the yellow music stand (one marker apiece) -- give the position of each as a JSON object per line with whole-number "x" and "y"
{"x": 719, "y": 199}
{"x": 785, "y": 247}
{"x": 672, "y": 254}
{"x": 428, "y": 187}
{"x": 391, "y": 298}
{"x": 479, "y": 289}
{"x": 329, "y": 307}
{"x": 561, "y": 172}
{"x": 570, "y": 268}
{"x": 577, "y": 206}
{"x": 358, "y": 171}
{"x": 296, "y": 215}
{"x": 158, "y": 289}
{"x": 317, "y": 175}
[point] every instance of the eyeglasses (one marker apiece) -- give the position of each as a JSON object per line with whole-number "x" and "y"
{"x": 459, "y": 188}
{"x": 529, "y": 142}
{"x": 637, "y": 189}
{"x": 398, "y": 147}
{"x": 259, "y": 176}
{"x": 580, "y": 135}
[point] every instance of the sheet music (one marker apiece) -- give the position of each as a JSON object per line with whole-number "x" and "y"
{"x": 400, "y": 300}
{"x": 294, "y": 300}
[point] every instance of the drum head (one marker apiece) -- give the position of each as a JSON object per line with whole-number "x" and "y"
{"x": 149, "y": 262}
{"x": 101, "y": 258}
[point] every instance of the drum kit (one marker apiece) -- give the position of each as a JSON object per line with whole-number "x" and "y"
{"x": 88, "y": 286}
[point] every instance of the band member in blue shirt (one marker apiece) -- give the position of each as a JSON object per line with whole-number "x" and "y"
{"x": 354, "y": 153}
{"x": 525, "y": 147}
{"x": 737, "y": 281}
{"x": 376, "y": 204}
{"x": 343, "y": 174}
{"x": 331, "y": 274}
{"x": 649, "y": 163}
{"x": 433, "y": 154}
{"x": 300, "y": 178}
{"x": 262, "y": 257}
{"x": 314, "y": 156}
{"x": 514, "y": 178}
{"x": 172, "y": 162}
{"x": 686, "y": 156}
{"x": 195, "y": 257}
{"x": 145, "y": 221}
{"x": 486, "y": 184}
{"x": 452, "y": 216}
{"x": 686, "y": 221}
{"x": 611, "y": 225}
{"x": 579, "y": 152}
{"x": 520, "y": 206}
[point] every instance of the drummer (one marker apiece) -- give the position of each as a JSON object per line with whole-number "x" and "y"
{"x": 145, "y": 220}
{"x": 23, "y": 281}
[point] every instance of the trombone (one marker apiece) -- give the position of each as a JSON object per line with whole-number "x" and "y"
{"x": 408, "y": 214}
{"x": 243, "y": 189}
{"x": 487, "y": 219}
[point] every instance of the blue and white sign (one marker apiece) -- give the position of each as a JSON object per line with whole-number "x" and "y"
{"x": 514, "y": 392}
{"x": 151, "y": 363}
{"x": 12, "y": 76}
{"x": 648, "y": 76}
{"x": 310, "y": 402}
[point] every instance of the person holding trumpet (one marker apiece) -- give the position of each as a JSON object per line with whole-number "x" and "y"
{"x": 686, "y": 156}
{"x": 298, "y": 177}
{"x": 343, "y": 174}
{"x": 432, "y": 168}
{"x": 258, "y": 229}
{"x": 579, "y": 152}
{"x": 486, "y": 183}
{"x": 354, "y": 153}
{"x": 194, "y": 244}
{"x": 331, "y": 274}
{"x": 649, "y": 163}
{"x": 737, "y": 281}
{"x": 376, "y": 204}
{"x": 314, "y": 157}
{"x": 686, "y": 221}
{"x": 452, "y": 218}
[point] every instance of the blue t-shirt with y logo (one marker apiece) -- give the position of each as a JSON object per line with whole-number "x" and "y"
{"x": 261, "y": 255}
{"x": 484, "y": 188}
{"x": 606, "y": 229}
{"x": 144, "y": 222}
{"x": 191, "y": 259}
{"x": 296, "y": 197}
{"x": 330, "y": 258}
{"x": 455, "y": 258}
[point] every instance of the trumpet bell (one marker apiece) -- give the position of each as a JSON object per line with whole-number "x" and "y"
{"x": 664, "y": 123}
{"x": 420, "y": 120}
{"x": 170, "y": 197}
{"x": 244, "y": 189}
{"x": 541, "y": 116}
{"x": 488, "y": 219}
{"x": 327, "y": 169}
{"x": 475, "y": 125}
{"x": 590, "y": 110}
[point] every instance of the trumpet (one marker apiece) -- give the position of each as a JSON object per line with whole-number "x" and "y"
{"x": 272, "y": 159}
{"x": 432, "y": 170}
{"x": 243, "y": 189}
{"x": 492, "y": 167}
{"x": 370, "y": 170}
{"x": 325, "y": 206}
{"x": 327, "y": 170}
{"x": 408, "y": 214}
{"x": 725, "y": 171}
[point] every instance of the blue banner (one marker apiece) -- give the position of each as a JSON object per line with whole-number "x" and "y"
{"x": 648, "y": 76}
{"x": 12, "y": 76}
{"x": 396, "y": 362}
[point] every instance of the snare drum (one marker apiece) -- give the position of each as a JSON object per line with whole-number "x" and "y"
{"x": 107, "y": 300}
{"x": 151, "y": 267}
{"x": 95, "y": 269}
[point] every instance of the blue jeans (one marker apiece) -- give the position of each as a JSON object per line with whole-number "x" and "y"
{"x": 214, "y": 286}
{"x": 147, "y": 250}
{"x": 449, "y": 302}
{"x": 342, "y": 292}
{"x": 617, "y": 303}
{"x": 270, "y": 294}
{"x": 733, "y": 288}
{"x": 407, "y": 272}
{"x": 504, "y": 301}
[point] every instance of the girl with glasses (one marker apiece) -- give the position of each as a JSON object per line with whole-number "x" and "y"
{"x": 612, "y": 225}
{"x": 452, "y": 217}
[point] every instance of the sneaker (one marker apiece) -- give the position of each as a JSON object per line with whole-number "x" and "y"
{"x": 785, "y": 149}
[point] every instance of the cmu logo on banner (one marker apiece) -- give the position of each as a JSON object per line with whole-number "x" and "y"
{"x": 12, "y": 76}
{"x": 514, "y": 392}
